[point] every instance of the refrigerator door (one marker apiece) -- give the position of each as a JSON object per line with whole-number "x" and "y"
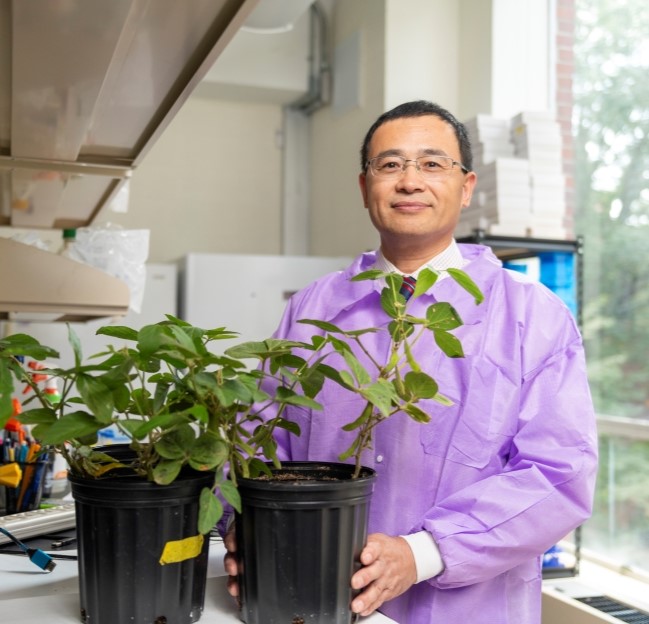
{"x": 245, "y": 293}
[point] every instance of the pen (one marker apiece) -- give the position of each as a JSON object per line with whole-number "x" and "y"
{"x": 22, "y": 452}
{"x": 33, "y": 450}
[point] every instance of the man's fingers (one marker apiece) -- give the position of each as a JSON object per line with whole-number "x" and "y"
{"x": 390, "y": 570}
{"x": 230, "y": 540}
{"x": 233, "y": 586}
{"x": 230, "y": 564}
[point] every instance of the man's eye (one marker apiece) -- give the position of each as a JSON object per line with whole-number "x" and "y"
{"x": 390, "y": 165}
{"x": 430, "y": 163}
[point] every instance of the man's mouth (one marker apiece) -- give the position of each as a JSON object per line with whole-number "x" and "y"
{"x": 411, "y": 206}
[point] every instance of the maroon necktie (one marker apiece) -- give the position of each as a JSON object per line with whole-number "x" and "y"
{"x": 408, "y": 286}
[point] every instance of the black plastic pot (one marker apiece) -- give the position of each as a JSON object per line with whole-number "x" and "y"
{"x": 123, "y": 526}
{"x": 299, "y": 543}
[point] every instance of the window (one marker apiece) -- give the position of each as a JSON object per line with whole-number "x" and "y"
{"x": 611, "y": 129}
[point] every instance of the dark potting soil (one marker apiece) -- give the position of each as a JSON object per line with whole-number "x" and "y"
{"x": 295, "y": 476}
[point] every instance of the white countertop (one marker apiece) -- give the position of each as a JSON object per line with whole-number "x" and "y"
{"x": 30, "y": 596}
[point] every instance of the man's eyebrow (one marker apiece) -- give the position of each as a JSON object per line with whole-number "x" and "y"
{"x": 430, "y": 151}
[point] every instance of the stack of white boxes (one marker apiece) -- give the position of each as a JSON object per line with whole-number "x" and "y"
{"x": 521, "y": 186}
{"x": 537, "y": 137}
{"x": 497, "y": 169}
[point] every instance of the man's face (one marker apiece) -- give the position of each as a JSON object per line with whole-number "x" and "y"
{"x": 412, "y": 208}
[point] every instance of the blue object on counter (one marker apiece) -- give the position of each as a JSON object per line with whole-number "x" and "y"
{"x": 552, "y": 557}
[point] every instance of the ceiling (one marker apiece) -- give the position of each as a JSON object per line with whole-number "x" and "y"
{"x": 87, "y": 87}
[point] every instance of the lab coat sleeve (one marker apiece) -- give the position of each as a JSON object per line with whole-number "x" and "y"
{"x": 544, "y": 490}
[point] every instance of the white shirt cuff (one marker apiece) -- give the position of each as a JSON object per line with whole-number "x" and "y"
{"x": 428, "y": 559}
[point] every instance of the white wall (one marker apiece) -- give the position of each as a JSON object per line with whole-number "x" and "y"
{"x": 211, "y": 183}
{"x": 475, "y": 45}
{"x": 521, "y": 57}
{"x": 339, "y": 224}
{"x": 506, "y": 56}
{"x": 422, "y": 52}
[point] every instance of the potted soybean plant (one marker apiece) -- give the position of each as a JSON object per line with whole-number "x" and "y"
{"x": 142, "y": 508}
{"x": 300, "y": 534}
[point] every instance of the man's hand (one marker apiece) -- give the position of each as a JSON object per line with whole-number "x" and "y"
{"x": 230, "y": 562}
{"x": 388, "y": 570}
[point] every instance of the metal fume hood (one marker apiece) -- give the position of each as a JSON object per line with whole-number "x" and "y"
{"x": 86, "y": 88}
{"x": 57, "y": 288}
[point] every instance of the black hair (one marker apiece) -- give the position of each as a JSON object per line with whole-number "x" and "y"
{"x": 420, "y": 108}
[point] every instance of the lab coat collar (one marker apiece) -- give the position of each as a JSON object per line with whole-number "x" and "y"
{"x": 482, "y": 266}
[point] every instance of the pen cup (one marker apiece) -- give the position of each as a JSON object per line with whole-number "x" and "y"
{"x": 28, "y": 494}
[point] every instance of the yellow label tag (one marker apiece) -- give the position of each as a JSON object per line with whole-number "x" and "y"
{"x": 180, "y": 550}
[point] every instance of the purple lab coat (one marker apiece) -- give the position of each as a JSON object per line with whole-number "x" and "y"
{"x": 498, "y": 477}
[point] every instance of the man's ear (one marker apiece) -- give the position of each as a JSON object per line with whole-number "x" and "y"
{"x": 470, "y": 180}
{"x": 362, "y": 183}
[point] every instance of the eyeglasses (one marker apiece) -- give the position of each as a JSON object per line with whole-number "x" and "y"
{"x": 429, "y": 166}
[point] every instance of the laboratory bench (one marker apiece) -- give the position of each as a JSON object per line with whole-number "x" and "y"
{"x": 31, "y": 596}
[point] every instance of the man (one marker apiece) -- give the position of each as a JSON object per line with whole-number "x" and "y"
{"x": 463, "y": 507}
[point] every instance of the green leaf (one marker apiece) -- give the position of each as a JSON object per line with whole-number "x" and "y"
{"x": 166, "y": 471}
{"x": 361, "y": 420}
{"x": 160, "y": 395}
{"x": 318, "y": 342}
{"x": 74, "y": 341}
{"x": 350, "y": 451}
{"x": 118, "y": 331}
{"x": 416, "y": 413}
{"x": 6, "y": 391}
{"x": 346, "y": 378}
{"x": 425, "y": 280}
{"x": 443, "y": 400}
{"x": 286, "y": 395}
{"x": 340, "y": 346}
{"x": 288, "y": 425}
{"x": 381, "y": 394}
{"x": 257, "y": 467}
{"x": 141, "y": 428}
{"x": 198, "y": 413}
{"x": 97, "y": 397}
{"x": 323, "y": 325}
{"x": 247, "y": 350}
{"x": 150, "y": 338}
{"x": 210, "y": 510}
{"x": 208, "y": 452}
{"x": 372, "y": 274}
{"x": 176, "y": 444}
{"x": 330, "y": 372}
{"x": 220, "y": 333}
{"x": 232, "y": 391}
{"x": 468, "y": 284}
{"x": 442, "y": 316}
{"x": 68, "y": 427}
{"x": 311, "y": 381}
{"x": 448, "y": 343}
{"x": 231, "y": 494}
{"x": 357, "y": 369}
{"x": 183, "y": 339}
{"x": 401, "y": 329}
{"x": 394, "y": 282}
{"x": 121, "y": 398}
{"x": 412, "y": 362}
{"x": 22, "y": 344}
{"x": 38, "y": 416}
{"x": 420, "y": 385}
{"x": 388, "y": 302}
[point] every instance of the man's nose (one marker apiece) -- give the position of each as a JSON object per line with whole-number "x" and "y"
{"x": 410, "y": 178}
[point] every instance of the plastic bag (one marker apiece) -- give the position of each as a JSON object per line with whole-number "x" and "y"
{"x": 121, "y": 253}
